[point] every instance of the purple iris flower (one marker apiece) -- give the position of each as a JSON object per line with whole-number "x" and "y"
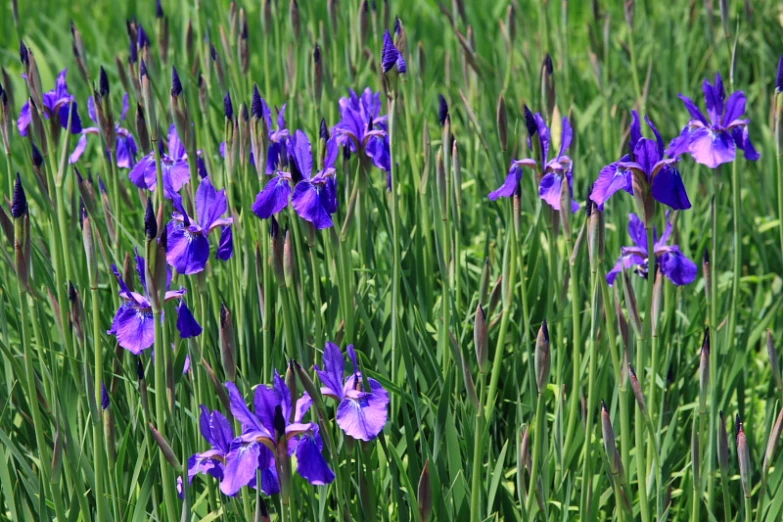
{"x": 655, "y": 172}
{"x": 216, "y": 429}
{"x": 126, "y": 144}
{"x": 715, "y": 141}
{"x": 188, "y": 239}
{"x": 362, "y": 130}
{"x": 672, "y": 262}
{"x": 57, "y": 102}
{"x": 133, "y": 323}
{"x": 361, "y": 415}
{"x": 174, "y": 164}
{"x": 314, "y": 196}
{"x": 277, "y": 137}
{"x": 553, "y": 171}
{"x": 268, "y": 436}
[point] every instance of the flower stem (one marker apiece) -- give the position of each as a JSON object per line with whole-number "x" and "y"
{"x": 161, "y": 410}
{"x": 395, "y": 217}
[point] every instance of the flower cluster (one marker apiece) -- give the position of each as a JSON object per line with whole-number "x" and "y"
{"x": 58, "y": 103}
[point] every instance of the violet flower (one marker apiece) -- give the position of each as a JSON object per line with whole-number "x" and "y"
{"x": 216, "y": 430}
{"x": 188, "y": 239}
{"x": 267, "y": 432}
{"x": 57, "y": 103}
{"x": 133, "y": 323}
{"x": 126, "y": 144}
{"x": 672, "y": 262}
{"x": 314, "y": 196}
{"x": 174, "y": 164}
{"x": 362, "y": 130}
{"x": 656, "y": 175}
{"x": 360, "y": 414}
{"x": 553, "y": 171}
{"x": 715, "y": 141}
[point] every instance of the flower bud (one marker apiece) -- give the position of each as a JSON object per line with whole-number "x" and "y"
{"x": 565, "y": 208}
{"x": 38, "y": 135}
{"x": 542, "y": 357}
{"x": 296, "y": 23}
{"x": 495, "y": 295}
{"x": 290, "y": 382}
{"x": 772, "y": 443}
{"x": 277, "y": 251}
{"x": 610, "y": 445}
{"x": 217, "y": 384}
{"x": 743, "y": 455}
{"x": 33, "y": 75}
{"x": 218, "y": 65}
{"x": 511, "y": 23}
{"x": 481, "y": 339}
{"x": 595, "y": 233}
{"x": 630, "y": 304}
{"x": 443, "y": 110}
{"x": 148, "y": 97}
{"x": 638, "y": 392}
{"x": 548, "y": 87}
{"x": 706, "y": 271}
{"x": 424, "y": 493}
{"x": 318, "y": 74}
{"x": 79, "y": 53}
{"x": 227, "y": 344}
{"x": 21, "y": 222}
{"x": 470, "y": 386}
{"x": 165, "y": 447}
{"x": 502, "y": 123}
{"x": 456, "y": 168}
{"x": 141, "y": 130}
{"x": 422, "y": 60}
{"x": 288, "y": 260}
{"x": 773, "y": 360}
{"x": 704, "y": 373}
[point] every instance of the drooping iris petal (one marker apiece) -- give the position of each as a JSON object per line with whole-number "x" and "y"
{"x": 741, "y": 138}
{"x": 126, "y": 150}
{"x": 509, "y": 186}
{"x": 241, "y": 464}
{"x": 363, "y": 415}
{"x": 81, "y": 146}
{"x": 711, "y": 148}
{"x": 678, "y": 268}
{"x": 301, "y": 152}
{"x": 611, "y": 179}
{"x": 265, "y": 401}
{"x": 134, "y": 328}
{"x": 143, "y": 173}
{"x": 188, "y": 248}
{"x": 668, "y": 188}
{"x": 273, "y": 198}
{"x": 311, "y": 463}
{"x": 186, "y": 323}
{"x": 679, "y": 145}
{"x": 311, "y": 202}
{"x": 24, "y": 120}
{"x": 623, "y": 263}
{"x": 208, "y": 462}
{"x": 378, "y": 151}
{"x": 549, "y": 189}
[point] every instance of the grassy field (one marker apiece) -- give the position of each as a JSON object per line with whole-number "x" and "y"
{"x": 495, "y": 373}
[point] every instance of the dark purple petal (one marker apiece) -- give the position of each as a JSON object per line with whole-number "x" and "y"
{"x": 566, "y": 136}
{"x": 390, "y": 54}
{"x": 265, "y": 402}
{"x": 658, "y": 138}
{"x": 188, "y": 251}
{"x": 208, "y": 462}
{"x": 311, "y": 464}
{"x": 186, "y": 324}
{"x": 240, "y": 411}
{"x": 735, "y": 107}
{"x": 378, "y": 150}
{"x": 693, "y": 109}
{"x": 81, "y": 146}
{"x": 679, "y": 145}
{"x": 143, "y": 173}
{"x": 678, "y": 268}
{"x": 64, "y": 112}
{"x": 647, "y": 154}
{"x": 25, "y": 118}
{"x": 622, "y": 263}
{"x": 543, "y": 136}
{"x": 610, "y": 180}
{"x": 273, "y": 198}
{"x": 741, "y": 138}
{"x": 176, "y": 147}
{"x": 636, "y": 131}
{"x": 510, "y": 184}
{"x": 210, "y": 203}
{"x": 711, "y": 148}
{"x": 310, "y": 201}
{"x": 637, "y": 232}
{"x": 668, "y": 188}
{"x": 713, "y": 99}
{"x": 225, "y": 250}
{"x": 301, "y": 152}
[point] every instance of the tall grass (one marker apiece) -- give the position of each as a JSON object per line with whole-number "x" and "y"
{"x": 522, "y": 386}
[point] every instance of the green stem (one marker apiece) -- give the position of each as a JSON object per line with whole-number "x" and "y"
{"x": 478, "y": 446}
{"x": 98, "y": 442}
{"x": 538, "y": 442}
{"x": 161, "y": 410}
{"x": 395, "y": 217}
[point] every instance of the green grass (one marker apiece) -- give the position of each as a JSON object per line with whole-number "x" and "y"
{"x": 403, "y": 280}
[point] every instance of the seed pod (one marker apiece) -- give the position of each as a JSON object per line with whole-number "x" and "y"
{"x": 495, "y": 295}
{"x": 774, "y": 364}
{"x": 704, "y": 373}
{"x": 470, "y": 386}
{"x": 244, "y": 48}
{"x": 33, "y": 75}
{"x": 78, "y": 52}
{"x": 630, "y": 303}
{"x": 481, "y": 339}
{"x": 288, "y": 260}
{"x": 542, "y": 357}
{"x": 772, "y": 443}
{"x": 638, "y": 392}
{"x": 165, "y": 447}
{"x": 227, "y": 344}
{"x": 502, "y": 123}
{"x": 743, "y": 455}
{"x": 610, "y": 445}
{"x": 424, "y": 494}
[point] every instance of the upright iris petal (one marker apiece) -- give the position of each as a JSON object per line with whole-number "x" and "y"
{"x": 362, "y": 130}
{"x": 714, "y": 141}
{"x": 360, "y": 414}
{"x": 174, "y": 166}
{"x": 216, "y": 430}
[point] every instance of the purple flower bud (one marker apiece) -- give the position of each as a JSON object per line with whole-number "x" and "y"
{"x": 257, "y": 106}
{"x": 23, "y": 55}
{"x": 19, "y": 204}
{"x": 481, "y": 339}
{"x": 779, "y": 80}
{"x": 143, "y": 70}
{"x": 542, "y": 357}
{"x": 213, "y": 52}
{"x": 176, "y": 84}
{"x": 397, "y": 25}
{"x": 141, "y": 37}
{"x": 37, "y": 157}
{"x": 443, "y": 110}
{"x": 158, "y": 9}
{"x": 150, "y": 223}
{"x": 743, "y": 455}
{"x": 530, "y": 122}
{"x": 133, "y": 57}
{"x": 139, "y": 369}
{"x": 229, "y": 107}
{"x": 317, "y": 54}
{"x": 324, "y": 130}
{"x": 278, "y": 421}
{"x": 548, "y": 64}
{"x": 103, "y": 83}
{"x": 105, "y": 402}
